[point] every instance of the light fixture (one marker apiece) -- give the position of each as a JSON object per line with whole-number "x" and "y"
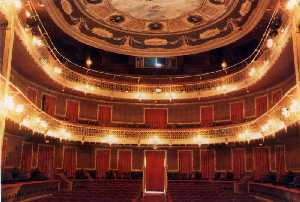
{"x": 291, "y": 4}
{"x": 252, "y": 72}
{"x": 27, "y": 14}
{"x": 224, "y": 64}
{"x": 9, "y": 103}
{"x": 270, "y": 43}
{"x": 88, "y": 62}
{"x": 285, "y": 112}
{"x": 37, "y": 41}
{"x": 57, "y": 70}
{"x": 19, "y": 108}
{"x": 18, "y": 4}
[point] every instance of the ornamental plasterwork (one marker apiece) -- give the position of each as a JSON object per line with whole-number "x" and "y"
{"x": 157, "y": 27}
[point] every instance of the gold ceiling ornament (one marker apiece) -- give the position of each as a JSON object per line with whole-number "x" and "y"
{"x": 57, "y": 71}
{"x": 186, "y": 26}
{"x": 276, "y": 119}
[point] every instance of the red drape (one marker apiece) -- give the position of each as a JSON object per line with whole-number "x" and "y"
{"x": 49, "y": 104}
{"x": 32, "y": 95}
{"x": 102, "y": 162}
{"x": 26, "y": 160}
{"x": 276, "y": 96}
{"x": 156, "y": 118}
{"x": 70, "y": 161}
{"x": 72, "y": 111}
{"x": 207, "y": 164}
{"x": 261, "y": 105}
{"x": 46, "y": 160}
{"x": 185, "y": 161}
{"x": 280, "y": 160}
{"x": 104, "y": 114}
{"x": 155, "y": 170}
{"x": 261, "y": 160}
{"x": 4, "y": 152}
{"x": 124, "y": 161}
{"x": 238, "y": 157}
{"x": 237, "y": 112}
{"x": 206, "y": 116}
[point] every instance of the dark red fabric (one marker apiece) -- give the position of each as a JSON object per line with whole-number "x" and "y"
{"x": 46, "y": 160}
{"x": 261, "y": 161}
{"x": 276, "y": 96}
{"x": 207, "y": 164}
{"x": 185, "y": 161}
{"x": 155, "y": 170}
{"x": 104, "y": 114}
{"x": 237, "y": 112}
{"x": 72, "y": 111}
{"x": 124, "y": 161}
{"x": 238, "y": 156}
{"x": 50, "y": 105}
{"x": 4, "y": 152}
{"x": 70, "y": 161}
{"x": 261, "y": 105}
{"x": 26, "y": 161}
{"x": 280, "y": 160}
{"x": 32, "y": 95}
{"x": 156, "y": 118}
{"x": 102, "y": 162}
{"x": 206, "y": 116}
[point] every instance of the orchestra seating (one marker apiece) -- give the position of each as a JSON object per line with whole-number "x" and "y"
{"x": 208, "y": 191}
{"x": 99, "y": 190}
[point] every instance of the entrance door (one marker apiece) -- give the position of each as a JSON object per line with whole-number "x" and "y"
{"x": 155, "y": 171}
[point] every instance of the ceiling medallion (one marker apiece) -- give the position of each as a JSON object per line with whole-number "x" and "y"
{"x": 157, "y": 27}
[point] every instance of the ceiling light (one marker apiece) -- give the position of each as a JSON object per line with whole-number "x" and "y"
{"x": 27, "y": 14}
{"x": 291, "y": 4}
{"x": 9, "y": 103}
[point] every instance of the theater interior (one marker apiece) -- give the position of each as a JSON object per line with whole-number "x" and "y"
{"x": 150, "y": 100}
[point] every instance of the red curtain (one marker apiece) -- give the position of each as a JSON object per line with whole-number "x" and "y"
{"x": 72, "y": 111}
{"x": 102, "y": 162}
{"x": 155, "y": 170}
{"x": 185, "y": 161}
{"x": 276, "y": 96}
{"x": 124, "y": 161}
{"x": 207, "y": 164}
{"x": 49, "y": 104}
{"x": 206, "y": 116}
{"x": 237, "y": 112}
{"x": 280, "y": 160}
{"x": 4, "y": 152}
{"x": 26, "y": 160}
{"x": 70, "y": 162}
{"x": 45, "y": 160}
{"x": 261, "y": 160}
{"x": 156, "y": 118}
{"x": 261, "y": 105}
{"x": 238, "y": 156}
{"x": 104, "y": 114}
{"x": 32, "y": 95}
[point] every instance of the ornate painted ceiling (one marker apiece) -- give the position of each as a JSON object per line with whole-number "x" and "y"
{"x": 157, "y": 27}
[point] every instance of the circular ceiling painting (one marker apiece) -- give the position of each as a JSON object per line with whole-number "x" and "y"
{"x": 156, "y": 9}
{"x": 157, "y": 27}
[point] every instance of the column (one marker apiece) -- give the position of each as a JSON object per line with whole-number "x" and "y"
{"x": 6, "y": 46}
